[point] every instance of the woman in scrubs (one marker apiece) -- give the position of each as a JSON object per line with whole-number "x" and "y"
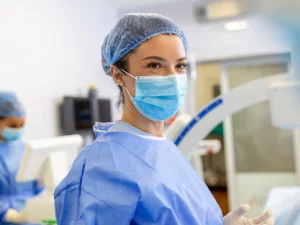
{"x": 13, "y": 195}
{"x": 132, "y": 174}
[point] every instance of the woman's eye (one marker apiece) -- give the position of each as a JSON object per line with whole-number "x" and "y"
{"x": 181, "y": 66}
{"x": 154, "y": 65}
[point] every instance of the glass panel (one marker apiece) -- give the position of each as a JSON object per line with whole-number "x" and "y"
{"x": 259, "y": 146}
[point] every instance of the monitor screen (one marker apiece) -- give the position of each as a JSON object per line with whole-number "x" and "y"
{"x": 76, "y": 114}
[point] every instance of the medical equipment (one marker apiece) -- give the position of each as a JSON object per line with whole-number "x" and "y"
{"x": 48, "y": 161}
{"x": 78, "y": 113}
{"x": 204, "y": 147}
{"x": 283, "y": 199}
{"x": 285, "y": 202}
{"x": 282, "y": 91}
{"x": 175, "y": 128}
{"x": 284, "y": 103}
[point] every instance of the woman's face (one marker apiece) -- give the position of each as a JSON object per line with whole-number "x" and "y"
{"x": 11, "y": 122}
{"x": 159, "y": 56}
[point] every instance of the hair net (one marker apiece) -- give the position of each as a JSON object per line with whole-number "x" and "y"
{"x": 131, "y": 31}
{"x": 10, "y": 105}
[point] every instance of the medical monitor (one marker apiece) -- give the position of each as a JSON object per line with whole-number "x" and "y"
{"x": 76, "y": 114}
{"x": 49, "y": 160}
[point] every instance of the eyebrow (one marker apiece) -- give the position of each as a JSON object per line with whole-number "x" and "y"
{"x": 181, "y": 59}
{"x": 158, "y": 58}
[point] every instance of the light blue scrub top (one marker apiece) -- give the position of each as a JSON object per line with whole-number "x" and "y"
{"x": 128, "y": 177}
{"x": 120, "y": 126}
{"x": 13, "y": 195}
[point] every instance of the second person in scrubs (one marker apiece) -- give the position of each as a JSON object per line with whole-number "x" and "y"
{"x": 13, "y": 195}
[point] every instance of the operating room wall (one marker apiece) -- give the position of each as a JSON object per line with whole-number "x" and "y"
{"x": 213, "y": 42}
{"x": 210, "y": 41}
{"x": 49, "y": 49}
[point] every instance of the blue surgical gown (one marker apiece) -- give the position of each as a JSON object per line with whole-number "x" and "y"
{"x": 127, "y": 179}
{"x": 13, "y": 195}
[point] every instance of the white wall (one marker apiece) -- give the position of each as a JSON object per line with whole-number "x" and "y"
{"x": 49, "y": 49}
{"x": 211, "y": 42}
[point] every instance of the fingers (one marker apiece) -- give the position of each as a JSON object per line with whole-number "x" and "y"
{"x": 264, "y": 217}
{"x": 10, "y": 215}
{"x": 242, "y": 210}
{"x": 268, "y": 222}
{"x": 13, "y": 216}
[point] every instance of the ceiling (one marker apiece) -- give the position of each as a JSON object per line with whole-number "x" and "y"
{"x": 127, "y": 4}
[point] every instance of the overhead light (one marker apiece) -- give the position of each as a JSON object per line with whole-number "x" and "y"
{"x": 236, "y": 25}
{"x": 223, "y": 9}
{"x": 219, "y": 10}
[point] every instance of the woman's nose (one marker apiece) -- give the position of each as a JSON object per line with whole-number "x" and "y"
{"x": 170, "y": 70}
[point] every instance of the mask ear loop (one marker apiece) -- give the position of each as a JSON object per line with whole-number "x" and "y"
{"x": 122, "y": 84}
{"x": 128, "y": 74}
{"x": 128, "y": 92}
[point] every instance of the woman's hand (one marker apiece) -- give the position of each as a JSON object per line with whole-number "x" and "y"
{"x": 13, "y": 216}
{"x": 236, "y": 217}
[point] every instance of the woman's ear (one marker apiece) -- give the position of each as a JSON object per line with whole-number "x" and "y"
{"x": 116, "y": 75}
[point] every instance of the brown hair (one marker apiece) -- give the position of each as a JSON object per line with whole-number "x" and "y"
{"x": 122, "y": 64}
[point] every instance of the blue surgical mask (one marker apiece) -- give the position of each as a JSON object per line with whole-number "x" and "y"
{"x": 12, "y": 134}
{"x": 159, "y": 97}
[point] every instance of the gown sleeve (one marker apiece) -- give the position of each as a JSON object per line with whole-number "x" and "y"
{"x": 4, "y": 206}
{"x": 4, "y": 201}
